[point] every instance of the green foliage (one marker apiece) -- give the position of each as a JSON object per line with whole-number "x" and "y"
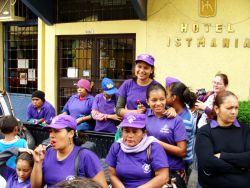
{"x": 244, "y": 112}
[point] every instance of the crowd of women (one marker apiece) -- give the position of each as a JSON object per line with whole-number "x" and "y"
{"x": 161, "y": 132}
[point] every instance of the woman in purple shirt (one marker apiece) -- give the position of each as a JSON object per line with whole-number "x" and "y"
{"x": 79, "y": 106}
{"x": 57, "y": 163}
{"x": 170, "y": 132}
{"x": 132, "y": 93}
{"x": 103, "y": 109}
{"x": 137, "y": 160}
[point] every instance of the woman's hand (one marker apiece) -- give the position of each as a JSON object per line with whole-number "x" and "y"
{"x": 199, "y": 105}
{"x": 170, "y": 112}
{"x": 141, "y": 108}
{"x": 114, "y": 117}
{"x": 39, "y": 153}
{"x": 79, "y": 120}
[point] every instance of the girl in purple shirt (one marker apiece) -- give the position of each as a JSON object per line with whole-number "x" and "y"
{"x": 137, "y": 160}
{"x": 19, "y": 177}
{"x": 132, "y": 93}
{"x": 57, "y": 163}
{"x": 171, "y": 133}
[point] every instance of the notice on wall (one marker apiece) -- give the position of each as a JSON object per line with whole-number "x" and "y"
{"x": 86, "y": 73}
{"x": 72, "y": 72}
{"x": 31, "y": 74}
{"x": 23, "y": 78}
{"x": 112, "y": 63}
{"x": 22, "y": 63}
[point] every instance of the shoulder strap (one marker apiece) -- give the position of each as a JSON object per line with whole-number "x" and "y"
{"x": 149, "y": 152}
{"x": 77, "y": 159}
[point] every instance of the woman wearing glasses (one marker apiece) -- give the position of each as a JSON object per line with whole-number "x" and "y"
{"x": 220, "y": 84}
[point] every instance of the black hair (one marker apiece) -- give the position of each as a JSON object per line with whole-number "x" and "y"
{"x": 78, "y": 182}
{"x": 183, "y": 93}
{"x": 79, "y": 137}
{"x": 153, "y": 87}
{"x": 26, "y": 157}
{"x": 143, "y": 129}
{"x": 8, "y": 124}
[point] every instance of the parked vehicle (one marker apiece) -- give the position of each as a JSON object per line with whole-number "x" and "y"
{"x": 7, "y": 109}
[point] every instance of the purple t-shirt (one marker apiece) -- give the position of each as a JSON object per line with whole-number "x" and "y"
{"x": 134, "y": 169}
{"x": 76, "y": 107}
{"x": 55, "y": 171}
{"x": 168, "y": 130}
{"x": 106, "y": 107}
{"x": 47, "y": 112}
{"x": 131, "y": 92}
{"x": 11, "y": 178}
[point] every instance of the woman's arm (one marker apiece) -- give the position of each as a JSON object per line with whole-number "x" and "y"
{"x": 98, "y": 115}
{"x": 83, "y": 119}
{"x": 115, "y": 181}
{"x": 36, "y": 178}
{"x": 240, "y": 160}
{"x": 179, "y": 150}
{"x": 121, "y": 110}
{"x": 206, "y": 157}
{"x": 161, "y": 177}
{"x": 100, "y": 178}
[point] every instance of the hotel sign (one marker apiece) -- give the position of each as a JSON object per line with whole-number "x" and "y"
{"x": 207, "y": 8}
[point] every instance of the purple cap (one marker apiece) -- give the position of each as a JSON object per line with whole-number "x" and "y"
{"x": 133, "y": 120}
{"x": 83, "y": 83}
{"x": 170, "y": 80}
{"x": 108, "y": 86}
{"x": 147, "y": 58}
{"x": 62, "y": 121}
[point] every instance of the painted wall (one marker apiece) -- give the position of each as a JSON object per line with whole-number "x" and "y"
{"x": 195, "y": 66}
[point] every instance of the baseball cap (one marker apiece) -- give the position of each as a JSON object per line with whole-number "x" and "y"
{"x": 170, "y": 80}
{"x": 108, "y": 86}
{"x": 147, "y": 58}
{"x": 83, "y": 83}
{"x": 133, "y": 120}
{"x": 62, "y": 121}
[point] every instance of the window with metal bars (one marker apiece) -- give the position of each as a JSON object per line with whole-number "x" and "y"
{"x": 21, "y": 57}
{"x": 93, "y": 58}
{"x": 93, "y": 10}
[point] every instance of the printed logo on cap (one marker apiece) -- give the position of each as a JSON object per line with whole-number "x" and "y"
{"x": 109, "y": 86}
{"x": 131, "y": 119}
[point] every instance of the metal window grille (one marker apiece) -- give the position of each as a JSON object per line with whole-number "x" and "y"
{"x": 93, "y": 10}
{"x": 21, "y": 57}
{"x": 92, "y": 58}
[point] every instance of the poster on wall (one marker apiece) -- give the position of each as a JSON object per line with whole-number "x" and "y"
{"x": 22, "y": 63}
{"x": 72, "y": 72}
{"x": 31, "y": 74}
{"x": 23, "y": 78}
